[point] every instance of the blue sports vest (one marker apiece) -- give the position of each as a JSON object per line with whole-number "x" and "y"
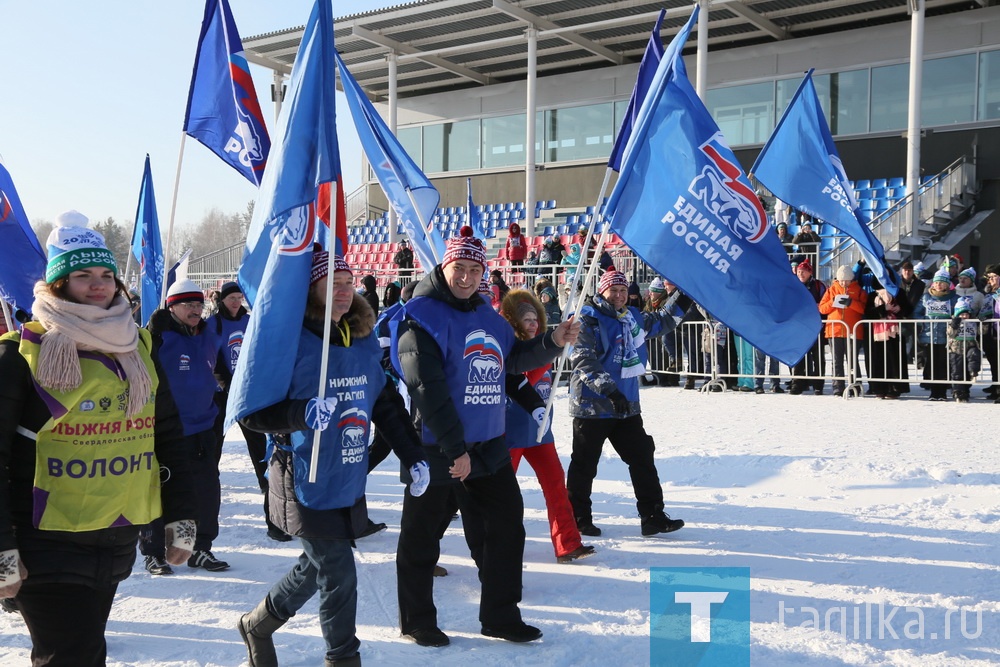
{"x": 522, "y": 430}
{"x": 355, "y": 378}
{"x": 230, "y": 334}
{"x": 474, "y": 345}
{"x": 189, "y": 362}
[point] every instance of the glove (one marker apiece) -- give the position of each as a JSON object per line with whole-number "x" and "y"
{"x": 420, "y": 473}
{"x": 179, "y": 538}
{"x": 319, "y": 411}
{"x": 12, "y": 571}
{"x": 619, "y": 402}
{"x": 538, "y": 414}
{"x": 841, "y": 301}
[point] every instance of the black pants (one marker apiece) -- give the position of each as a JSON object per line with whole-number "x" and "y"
{"x": 634, "y": 446}
{"x": 493, "y": 520}
{"x": 205, "y": 455}
{"x": 66, "y": 622}
{"x": 812, "y": 365}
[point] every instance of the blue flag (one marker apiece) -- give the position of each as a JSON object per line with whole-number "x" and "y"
{"x": 22, "y": 260}
{"x": 801, "y": 166}
{"x": 222, "y": 109}
{"x": 276, "y": 267}
{"x": 147, "y": 248}
{"x": 647, "y": 68}
{"x": 409, "y": 192}
{"x": 475, "y": 220}
{"x": 684, "y": 206}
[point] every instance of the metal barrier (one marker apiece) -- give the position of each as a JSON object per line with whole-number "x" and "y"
{"x": 895, "y": 352}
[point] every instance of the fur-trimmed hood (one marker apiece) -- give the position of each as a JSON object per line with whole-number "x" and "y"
{"x": 360, "y": 317}
{"x": 509, "y": 306}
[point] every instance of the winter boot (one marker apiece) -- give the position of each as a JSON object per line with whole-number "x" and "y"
{"x": 658, "y": 522}
{"x": 353, "y": 661}
{"x": 256, "y": 629}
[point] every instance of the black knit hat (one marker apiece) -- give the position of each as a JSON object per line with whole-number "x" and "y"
{"x": 229, "y": 288}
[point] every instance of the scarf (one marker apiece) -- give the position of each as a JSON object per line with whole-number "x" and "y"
{"x": 633, "y": 336}
{"x": 73, "y": 327}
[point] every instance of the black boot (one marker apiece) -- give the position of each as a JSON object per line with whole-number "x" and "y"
{"x": 256, "y": 629}
{"x": 353, "y": 661}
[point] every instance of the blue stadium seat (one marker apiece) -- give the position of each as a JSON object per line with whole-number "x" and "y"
{"x": 881, "y": 193}
{"x": 866, "y": 204}
{"x": 863, "y": 184}
{"x": 880, "y": 183}
{"x": 519, "y": 206}
{"x": 867, "y": 193}
{"x": 897, "y": 182}
{"x": 547, "y": 230}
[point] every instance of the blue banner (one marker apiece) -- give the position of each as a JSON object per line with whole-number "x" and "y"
{"x": 647, "y": 68}
{"x": 276, "y": 267}
{"x": 408, "y": 190}
{"x": 801, "y": 166}
{"x": 683, "y": 204}
{"x": 222, "y": 109}
{"x": 22, "y": 260}
{"x": 147, "y": 247}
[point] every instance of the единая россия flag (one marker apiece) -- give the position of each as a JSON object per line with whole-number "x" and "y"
{"x": 147, "y": 247}
{"x": 276, "y": 265}
{"x": 222, "y": 110}
{"x": 683, "y": 204}
{"x": 801, "y": 166}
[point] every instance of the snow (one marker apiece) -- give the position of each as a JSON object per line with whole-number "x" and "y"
{"x": 831, "y": 503}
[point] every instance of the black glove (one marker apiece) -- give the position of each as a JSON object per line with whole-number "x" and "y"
{"x": 619, "y": 402}
{"x": 847, "y": 301}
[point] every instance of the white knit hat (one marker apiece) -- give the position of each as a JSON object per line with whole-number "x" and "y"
{"x": 183, "y": 291}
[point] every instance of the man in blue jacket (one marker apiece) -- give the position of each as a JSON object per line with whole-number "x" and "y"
{"x": 607, "y": 362}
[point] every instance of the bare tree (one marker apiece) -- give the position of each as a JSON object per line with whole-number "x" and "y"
{"x": 117, "y": 238}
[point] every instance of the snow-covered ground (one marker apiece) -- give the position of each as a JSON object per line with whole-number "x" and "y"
{"x": 831, "y": 503}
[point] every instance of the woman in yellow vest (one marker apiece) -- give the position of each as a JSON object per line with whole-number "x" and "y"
{"x": 90, "y": 450}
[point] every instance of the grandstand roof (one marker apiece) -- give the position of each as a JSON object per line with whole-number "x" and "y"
{"x": 450, "y": 44}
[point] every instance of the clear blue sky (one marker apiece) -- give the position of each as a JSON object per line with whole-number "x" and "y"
{"x": 90, "y": 88}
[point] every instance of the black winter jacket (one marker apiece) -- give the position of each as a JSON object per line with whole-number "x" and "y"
{"x": 423, "y": 369}
{"x": 98, "y": 558}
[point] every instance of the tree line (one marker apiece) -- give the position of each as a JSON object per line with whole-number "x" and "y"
{"x": 215, "y": 231}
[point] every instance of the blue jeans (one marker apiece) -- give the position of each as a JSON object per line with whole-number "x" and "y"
{"x": 326, "y": 566}
{"x": 758, "y": 369}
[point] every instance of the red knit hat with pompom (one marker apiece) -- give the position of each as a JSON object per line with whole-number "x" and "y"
{"x": 465, "y": 246}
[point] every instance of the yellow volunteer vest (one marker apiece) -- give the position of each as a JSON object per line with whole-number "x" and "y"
{"x": 94, "y": 467}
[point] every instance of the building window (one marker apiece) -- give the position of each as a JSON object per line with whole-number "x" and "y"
{"x": 503, "y": 141}
{"x": 579, "y": 133}
{"x": 451, "y": 146}
{"x": 949, "y": 90}
{"x": 890, "y": 93}
{"x": 745, "y": 114}
{"x": 989, "y": 85}
{"x": 409, "y": 138}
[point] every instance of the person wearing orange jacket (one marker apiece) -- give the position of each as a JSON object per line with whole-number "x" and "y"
{"x": 844, "y": 306}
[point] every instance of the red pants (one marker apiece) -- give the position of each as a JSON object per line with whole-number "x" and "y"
{"x": 544, "y": 460}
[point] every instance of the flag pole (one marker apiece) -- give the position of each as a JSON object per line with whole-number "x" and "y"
{"x": 8, "y": 320}
{"x": 170, "y": 225}
{"x": 574, "y": 283}
{"x": 325, "y": 356}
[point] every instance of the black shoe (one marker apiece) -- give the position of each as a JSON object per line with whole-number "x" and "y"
{"x": 278, "y": 535}
{"x": 758, "y": 390}
{"x": 428, "y": 637}
{"x": 9, "y": 605}
{"x": 795, "y": 390}
{"x": 371, "y": 529}
{"x": 157, "y": 565}
{"x": 518, "y": 632}
{"x": 578, "y": 553}
{"x": 689, "y": 383}
{"x": 440, "y": 571}
{"x": 206, "y": 560}
{"x": 587, "y": 527}
{"x": 776, "y": 389}
{"x": 660, "y": 523}
{"x": 819, "y": 391}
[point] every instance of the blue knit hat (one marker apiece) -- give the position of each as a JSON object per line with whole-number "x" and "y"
{"x": 969, "y": 273}
{"x": 942, "y": 276}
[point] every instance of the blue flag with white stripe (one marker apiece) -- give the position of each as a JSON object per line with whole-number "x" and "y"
{"x": 801, "y": 166}
{"x": 683, "y": 204}
{"x": 647, "y": 69}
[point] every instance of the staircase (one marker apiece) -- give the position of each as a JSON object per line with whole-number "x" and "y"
{"x": 944, "y": 204}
